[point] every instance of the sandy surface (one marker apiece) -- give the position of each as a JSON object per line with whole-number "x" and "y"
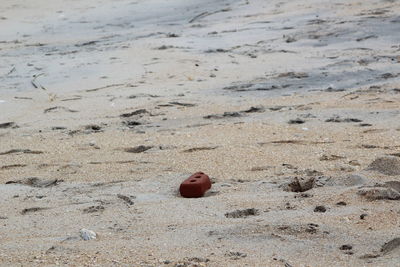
{"x": 254, "y": 93}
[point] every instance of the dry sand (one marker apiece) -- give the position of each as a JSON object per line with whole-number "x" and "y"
{"x": 254, "y": 93}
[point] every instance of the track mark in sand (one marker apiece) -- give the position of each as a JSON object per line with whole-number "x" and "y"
{"x": 137, "y": 149}
{"x": 31, "y": 210}
{"x": 8, "y": 125}
{"x": 12, "y": 166}
{"x": 330, "y": 157}
{"x": 386, "y": 248}
{"x": 257, "y": 109}
{"x": 36, "y": 84}
{"x": 94, "y": 209}
{"x": 338, "y": 119}
{"x": 21, "y": 151}
{"x": 104, "y": 87}
{"x": 104, "y": 184}
{"x": 112, "y": 162}
{"x": 235, "y": 255}
{"x": 259, "y": 232}
{"x": 134, "y": 113}
{"x": 197, "y": 125}
{"x": 86, "y": 43}
{"x": 391, "y": 245}
{"x": 72, "y": 98}
{"x": 195, "y": 149}
{"x": 386, "y": 165}
{"x": 36, "y": 182}
{"x": 126, "y": 199}
{"x": 224, "y": 115}
{"x": 297, "y": 142}
{"x": 175, "y": 103}
{"x": 59, "y": 108}
{"x": 206, "y": 13}
{"x": 242, "y": 213}
{"x": 376, "y": 131}
{"x": 260, "y": 168}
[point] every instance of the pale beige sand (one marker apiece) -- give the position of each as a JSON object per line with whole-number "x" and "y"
{"x": 309, "y": 60}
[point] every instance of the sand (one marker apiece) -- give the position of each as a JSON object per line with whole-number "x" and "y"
{"x": 112, "y": 104}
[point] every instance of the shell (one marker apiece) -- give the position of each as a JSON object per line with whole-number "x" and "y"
{"x": 87, "y": 234}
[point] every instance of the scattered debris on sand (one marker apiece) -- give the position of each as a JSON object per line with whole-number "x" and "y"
{"x": 36, "y": 182}
{"x": 126, "y": 199}
{"x": 300, "y": 184}
{"x": 31, "y": 210}
{"x": 291, "y": 107}
{"x": 242, "y": 213}
{"x": 138, "y": 149}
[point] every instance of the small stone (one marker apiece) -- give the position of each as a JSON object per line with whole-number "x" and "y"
{"x": 296, "y": 121}
{"x": 93, "y": 127}
{"x": 172, "y": 35}
{"x": 354, "y": 163}
{"x": 301, "y": 184}
{"x": 346, "y": 247}
{"x": 87, "y": 234}
{"x": 290, "y": 39}
{"x": 319, "y": 209}
{"x": 362, "y": 216}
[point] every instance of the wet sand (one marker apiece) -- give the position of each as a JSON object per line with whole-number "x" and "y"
{"x": 112, "y": 104}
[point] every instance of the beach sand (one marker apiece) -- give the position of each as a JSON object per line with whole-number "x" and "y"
{"x": 112, "y": 104}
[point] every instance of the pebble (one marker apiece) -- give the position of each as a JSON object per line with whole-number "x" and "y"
{"x": 301, "y": 184}
{"x": 319, "y": 209}
{"x": 296, "y": 121}
{"x": 87, "y": 234}
{"x": 346, "y": 247}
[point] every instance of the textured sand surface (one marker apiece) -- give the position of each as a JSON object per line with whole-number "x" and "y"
{"x": 256, "y": 94}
